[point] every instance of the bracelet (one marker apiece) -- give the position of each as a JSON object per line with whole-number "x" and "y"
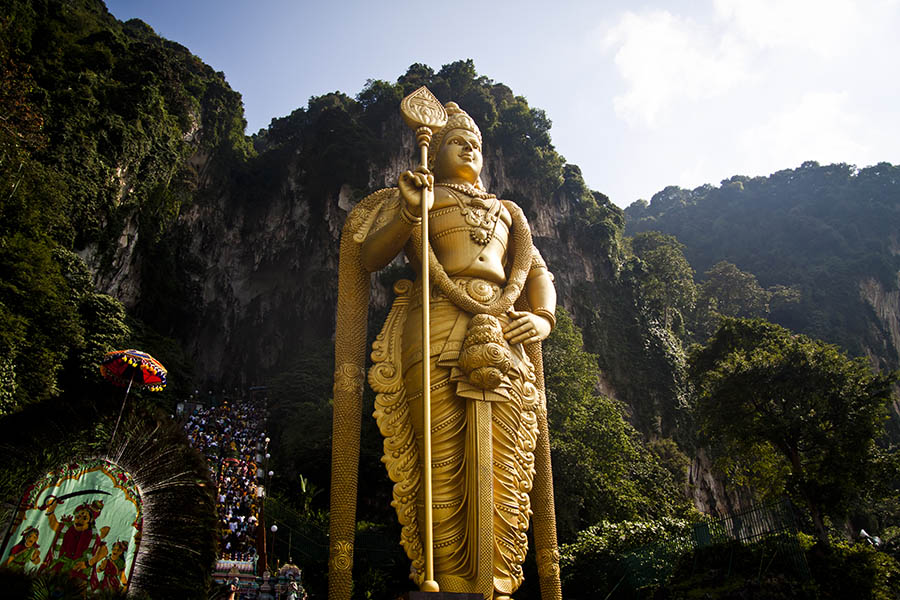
{"x": 408, "y": 217}
{"x": 547, "y": 314}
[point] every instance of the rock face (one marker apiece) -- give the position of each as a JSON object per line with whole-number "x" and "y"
{"x": 253, "y": 262}
{"x": 885, "y": 305}
{"x": 118, "y": 279}
{"x": 708, "y": 491}
{"x": 265, "y": 277}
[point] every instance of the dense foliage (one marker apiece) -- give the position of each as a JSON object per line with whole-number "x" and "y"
{"x": 759, "y": 570}
{"x": 818, "y": 232}
{"x": 788, "y": 413}
{"x": 667, "y": 285}
{"x": 339, "y": 134}
{"x": 93, "y": 143}
{"x": 116, "y": 101}
{"x": 592, "y": 564}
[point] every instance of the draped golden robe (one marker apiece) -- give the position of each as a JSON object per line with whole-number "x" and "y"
{"x": 484, "y": 460}
{"x": 483, "y": 440}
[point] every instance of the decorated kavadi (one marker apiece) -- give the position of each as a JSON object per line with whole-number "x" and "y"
{"x": 82, "y": 519}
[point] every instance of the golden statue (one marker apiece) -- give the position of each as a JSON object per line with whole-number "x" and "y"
{"x": 489, "y": 302}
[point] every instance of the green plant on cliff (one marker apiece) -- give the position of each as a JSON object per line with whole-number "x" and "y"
{"x": 117, "y": 102}
{"x": 53, "y": 325}
{"x": 602, "y": 468}
{"x": 666, "y": 287}
{"x": 336, "y": 133}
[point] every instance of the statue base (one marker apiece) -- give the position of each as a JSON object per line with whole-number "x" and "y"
{"x": 441, "y": 596}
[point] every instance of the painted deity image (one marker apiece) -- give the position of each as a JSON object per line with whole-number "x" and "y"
{"x": 110, "y": 572}
{"x": 77, "y": 546}
{"x": 66, "y": 520}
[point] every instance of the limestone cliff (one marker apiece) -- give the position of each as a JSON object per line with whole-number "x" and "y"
{"x": 885, "y": 305}
{"x": 885, "y": 326}
{"x": 709, "y": 491}
{"x": 266, "y": 262}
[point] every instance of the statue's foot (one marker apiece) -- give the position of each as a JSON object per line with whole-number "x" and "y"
{"x": 502, "y": 597}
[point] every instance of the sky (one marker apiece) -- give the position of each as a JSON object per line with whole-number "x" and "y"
{"x": 642, "y": 94}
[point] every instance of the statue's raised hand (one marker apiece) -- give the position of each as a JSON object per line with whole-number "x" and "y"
{"x": 411, "y": 184}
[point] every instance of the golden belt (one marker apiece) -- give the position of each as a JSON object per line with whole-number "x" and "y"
{"x": 480, "y": 290}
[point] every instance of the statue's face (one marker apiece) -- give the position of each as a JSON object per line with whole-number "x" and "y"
{"x": 30, "y": 539}
{"x": 459, "y": 157}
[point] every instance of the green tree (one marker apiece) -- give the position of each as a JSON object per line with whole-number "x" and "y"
{"x": 820, "y": 232}
{"x": 736, "y": 293}
{"x": 592, "y": 565}
{"x": 781, "y": 408}
{"x": 667, "y": 286}
{"x": 727, "y": 291}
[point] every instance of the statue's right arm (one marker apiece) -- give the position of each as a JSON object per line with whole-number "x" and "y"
{"x": 381, "y": 246}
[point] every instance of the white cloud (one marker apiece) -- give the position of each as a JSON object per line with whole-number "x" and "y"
{"x": 665, "y": 58}
{"x": 824, "y": 27}
{"x": 819, "y": 127}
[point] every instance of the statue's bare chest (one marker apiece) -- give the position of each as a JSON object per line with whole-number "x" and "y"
{"x": 470, "y": 235}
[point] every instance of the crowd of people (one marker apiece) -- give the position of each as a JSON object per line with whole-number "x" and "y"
{"x": 230, "y": 433}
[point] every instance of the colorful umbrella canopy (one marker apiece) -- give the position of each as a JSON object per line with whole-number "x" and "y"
{"x": 133, "y": 367}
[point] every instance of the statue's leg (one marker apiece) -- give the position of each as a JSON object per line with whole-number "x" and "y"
{"x": 456, "y": 487}
{"x": 514, "y": 433}
{"x": 455, "y": 480}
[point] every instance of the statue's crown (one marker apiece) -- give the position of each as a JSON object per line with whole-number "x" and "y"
{"x": 457, "y": 118}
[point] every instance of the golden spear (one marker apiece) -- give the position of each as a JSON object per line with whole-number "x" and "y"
{"x": 425, "y": 114}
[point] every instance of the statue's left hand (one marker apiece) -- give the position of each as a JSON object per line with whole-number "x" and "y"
{"x": 526, "y": 327}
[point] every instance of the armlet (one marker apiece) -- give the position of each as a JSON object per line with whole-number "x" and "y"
{"x": 538, "y": 265}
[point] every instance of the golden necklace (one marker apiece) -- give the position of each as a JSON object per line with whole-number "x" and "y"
{"x": 480, "y": 210}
